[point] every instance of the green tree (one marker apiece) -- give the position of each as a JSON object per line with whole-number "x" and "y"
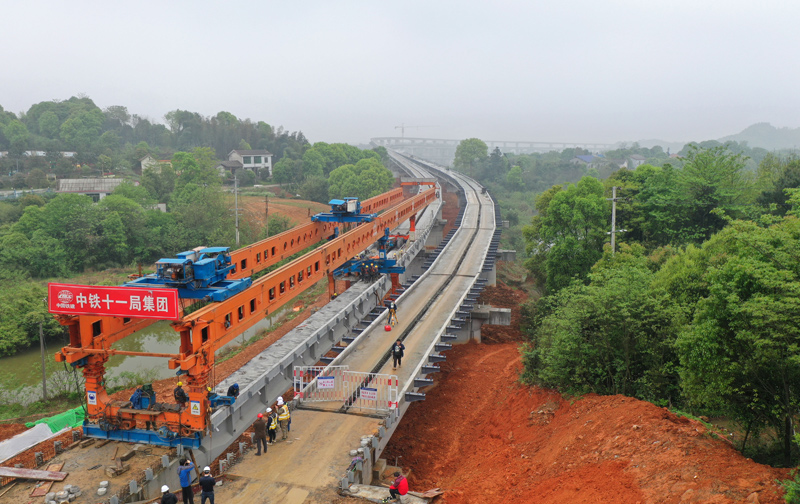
{"x": 74, "y": 221}
{"x": 313, "y": 164}
{"x": 470, "y": 156}
{"x": 612, "y": 336}
{"x": 81, "y": 130}
{"x": 315, "y": 189}
{"x": 711, "y": 179}
{"x": 741, "y": 354}
{"x": 571, "y": 233}
{"x": 535, "y": 247}
{"x": 17, "y": 135}
{"x": 246, "y": 178}
{"x": 196, "y": 168}
{"x": 786, "y": 176}
{"x": 118, "y": 115}
{"x": 49, "y": 124}
{"x": 283, "y": 171}
{"x": 105, "y": 163}
{"x": 159, "y": 185}
{"x": 514, "y": 179}
{"x": 21, "y": 311}
{"x": 114, "y": 241}
{"x": 365, "y": 179}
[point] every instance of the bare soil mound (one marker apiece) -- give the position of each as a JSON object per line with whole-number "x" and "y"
{"x": 296, "y": 210}
{"x": 9, "y": 430}
{"x": 502, "y": 296}
{"x": 483, "y": 437}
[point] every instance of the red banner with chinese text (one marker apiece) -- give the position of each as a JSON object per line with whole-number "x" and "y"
{"x": 133, "y": 302}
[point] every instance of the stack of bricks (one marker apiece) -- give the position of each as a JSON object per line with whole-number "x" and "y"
{"x": 27, "y": 459}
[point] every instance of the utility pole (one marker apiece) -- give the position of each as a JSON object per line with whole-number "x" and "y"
{"x": 236, "y": 202}
{"x": 614, "y": 231}
{"x": 266, "y": 215}
{"x": 44, "y": 375}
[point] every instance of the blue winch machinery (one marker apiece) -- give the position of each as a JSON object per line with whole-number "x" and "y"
{"x": 384, "y": 263}
{"x": 344, "y": 210}
{"x": 197, "y": 274}
{"x": 347, "y": 210}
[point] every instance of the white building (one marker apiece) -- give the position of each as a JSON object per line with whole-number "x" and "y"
{"x": 97, "y": 188}
{"x": 252, "y": 159}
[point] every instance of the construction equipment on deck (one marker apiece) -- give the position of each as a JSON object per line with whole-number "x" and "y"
{"x": 209, "y": 328}
{"x": 200, "y": 273}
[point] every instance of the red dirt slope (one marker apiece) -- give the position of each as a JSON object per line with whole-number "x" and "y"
{"x": 485, "y": 438}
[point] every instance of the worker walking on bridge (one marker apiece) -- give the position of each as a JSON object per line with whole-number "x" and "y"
{"x": 398, "y": 349}
{"x": 283, "y": 418}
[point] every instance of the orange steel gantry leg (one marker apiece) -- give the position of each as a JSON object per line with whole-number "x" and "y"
{"x": 206, "y": 330}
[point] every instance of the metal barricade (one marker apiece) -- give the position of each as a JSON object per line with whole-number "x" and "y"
{"x": 353, "y": 389}
{"x": 371, "y": 391}
{"x": 320, "y": 383}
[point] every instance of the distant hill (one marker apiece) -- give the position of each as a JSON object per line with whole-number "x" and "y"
{"x": 767, "y": 136}
{"x": 762, "y": 135}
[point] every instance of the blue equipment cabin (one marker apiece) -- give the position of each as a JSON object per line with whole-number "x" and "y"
{"x": 197, "y": 274}
{"x": 344, "y": 210}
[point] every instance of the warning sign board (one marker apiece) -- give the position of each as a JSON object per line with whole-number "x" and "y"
{"x": 326, "y": 382}
{"x": 195, "y": 407}
{"x": 91, "y": 397}
{"x": 369, "y": 394}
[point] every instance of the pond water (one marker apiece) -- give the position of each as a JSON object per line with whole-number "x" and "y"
{"x": 25, "y": 368}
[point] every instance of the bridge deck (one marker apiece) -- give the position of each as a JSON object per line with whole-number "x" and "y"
{"x": 308, "y": 469}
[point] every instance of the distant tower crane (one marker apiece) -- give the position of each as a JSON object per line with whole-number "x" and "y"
{"x": 403, "y": 127}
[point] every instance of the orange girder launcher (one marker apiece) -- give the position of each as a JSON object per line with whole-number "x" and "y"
{"x": 209, "y": 328}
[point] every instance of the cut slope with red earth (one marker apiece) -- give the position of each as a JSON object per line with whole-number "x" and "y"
{"x": 483, "y": 437}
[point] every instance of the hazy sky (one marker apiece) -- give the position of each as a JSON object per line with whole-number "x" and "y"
{"x": 555, "y": 70}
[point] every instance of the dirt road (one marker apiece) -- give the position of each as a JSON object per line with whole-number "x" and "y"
{"x": 305, "y": 468}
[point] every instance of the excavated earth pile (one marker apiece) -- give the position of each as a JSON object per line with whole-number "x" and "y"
{"x": 485, "y": 438}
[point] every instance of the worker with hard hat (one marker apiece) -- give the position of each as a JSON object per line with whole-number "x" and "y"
{"x": 207, "y": 483}
{"x": 272, "y": 425}
{"x": 260, "y": 438}
{"x": 168, "y": 497}
{"x": 180, "y": 395}
{"x": 283, "y": 418}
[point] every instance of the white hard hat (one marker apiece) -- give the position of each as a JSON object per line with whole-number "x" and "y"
{"x": 280, "y": 401}
{"x": 206, "y": 469}
{"x": 165, "y": 488}
{"x": 269, "y": 410}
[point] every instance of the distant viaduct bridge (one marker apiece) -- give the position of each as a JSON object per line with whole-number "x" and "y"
{"x": 443, "y": 150}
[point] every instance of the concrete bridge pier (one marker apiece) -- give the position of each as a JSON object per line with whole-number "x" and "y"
{"x": 437, "y": 232}
{"x": 490, "y": 275}
{"x": 470, "y": 329}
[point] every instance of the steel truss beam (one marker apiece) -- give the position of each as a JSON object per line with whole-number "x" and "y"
{"x": 208, "y": 329}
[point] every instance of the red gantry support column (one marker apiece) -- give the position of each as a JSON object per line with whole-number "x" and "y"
{"x": 331, "y": 286}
